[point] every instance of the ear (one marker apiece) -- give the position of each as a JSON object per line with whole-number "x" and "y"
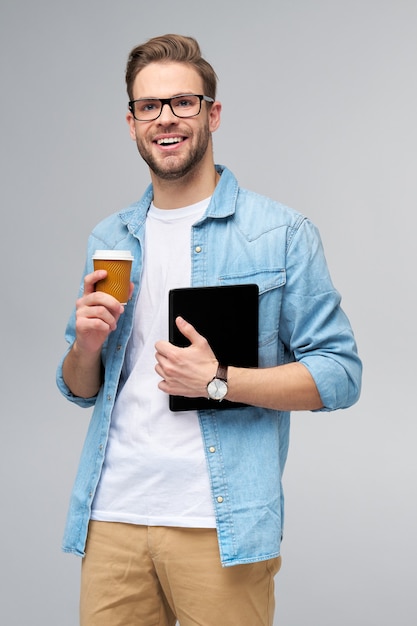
{"x": 132, "y": 127}
{"x": 214, "y": 116}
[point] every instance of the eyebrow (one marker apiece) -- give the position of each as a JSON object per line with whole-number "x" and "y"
{"x": 180, "y": 93}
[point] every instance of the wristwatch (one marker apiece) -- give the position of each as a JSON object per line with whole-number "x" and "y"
{"x": 217, "y": 387}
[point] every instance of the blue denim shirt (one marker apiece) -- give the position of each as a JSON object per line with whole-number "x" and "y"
{"x": 242, "y": 238}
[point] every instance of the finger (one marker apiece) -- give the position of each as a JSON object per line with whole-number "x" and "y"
{"x": 88, "y": 303}
{"x": 188, "y": 330}
{"x": 163, "y": 348}
{"x": 95, "y": 316}
{"x": 91, "y": 279}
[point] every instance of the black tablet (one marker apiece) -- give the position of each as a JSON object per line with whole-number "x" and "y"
{"x": 227, "y": 316}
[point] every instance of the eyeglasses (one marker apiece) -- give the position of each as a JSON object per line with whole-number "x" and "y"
{"x": 184, "y": 105}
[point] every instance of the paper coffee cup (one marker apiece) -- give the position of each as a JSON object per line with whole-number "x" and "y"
{"x": 118, "y": 264}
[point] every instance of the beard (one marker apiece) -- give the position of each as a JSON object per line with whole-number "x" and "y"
{"x": 175, "y": 167}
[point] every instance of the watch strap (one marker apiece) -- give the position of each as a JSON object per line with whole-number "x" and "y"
{"x": 222, "y": 372}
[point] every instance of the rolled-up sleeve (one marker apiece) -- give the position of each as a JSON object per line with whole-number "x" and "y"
{"x": 313, "y": 324}
{"x": 62, "y": 386}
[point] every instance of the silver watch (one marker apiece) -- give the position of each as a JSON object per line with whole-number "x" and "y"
{"x": 217, "y": 387}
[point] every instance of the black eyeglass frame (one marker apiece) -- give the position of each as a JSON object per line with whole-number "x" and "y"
{"x": 168, "y": 101}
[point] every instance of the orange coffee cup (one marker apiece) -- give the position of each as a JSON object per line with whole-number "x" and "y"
{"x": 118, "y": 264}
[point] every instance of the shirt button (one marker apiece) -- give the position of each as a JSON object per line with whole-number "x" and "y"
{"x": 219, "y": 499}
{"x": 109, "y": 398}
{"x": 198, "y": 249}
{"x": 212, "y": 449}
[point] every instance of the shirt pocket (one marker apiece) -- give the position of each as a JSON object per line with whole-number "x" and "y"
{"x": 271, "y": 282}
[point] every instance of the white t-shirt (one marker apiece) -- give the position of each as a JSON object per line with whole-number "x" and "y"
{"x": 155, "y": 470}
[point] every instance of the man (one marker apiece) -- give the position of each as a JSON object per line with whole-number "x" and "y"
{"x": 179, "y": 516}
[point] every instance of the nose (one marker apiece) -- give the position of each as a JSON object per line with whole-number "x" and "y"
{"x": 166, "y": 114}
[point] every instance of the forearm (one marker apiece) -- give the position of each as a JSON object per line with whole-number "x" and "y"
{"x": 97, "y": 315}
{"x": 286, "y": 387}
{"x": 82, "y": 372}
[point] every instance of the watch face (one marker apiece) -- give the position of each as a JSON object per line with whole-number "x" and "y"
{"x": 217, "y": 389}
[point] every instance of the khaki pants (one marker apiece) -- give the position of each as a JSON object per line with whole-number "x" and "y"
{"x": 152, "y": 576}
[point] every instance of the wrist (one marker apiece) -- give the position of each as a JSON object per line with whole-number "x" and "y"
{"x": 84, "y": 355}
{"x": 217, "y": 387}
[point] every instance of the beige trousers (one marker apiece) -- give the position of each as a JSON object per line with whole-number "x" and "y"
{"x": 153, "y": 576}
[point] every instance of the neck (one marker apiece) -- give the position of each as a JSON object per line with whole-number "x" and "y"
{"x": 195, "y": 186}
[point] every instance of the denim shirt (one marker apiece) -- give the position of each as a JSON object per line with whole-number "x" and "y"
{"x": 242, "y": 238}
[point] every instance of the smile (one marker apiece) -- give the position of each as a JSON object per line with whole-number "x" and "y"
{"x": 169, "y": 140}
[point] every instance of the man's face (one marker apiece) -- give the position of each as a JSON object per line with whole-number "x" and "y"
{"x": 172, "y": 146}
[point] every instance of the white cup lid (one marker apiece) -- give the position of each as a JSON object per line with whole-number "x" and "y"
{"x": 113, "y": 255}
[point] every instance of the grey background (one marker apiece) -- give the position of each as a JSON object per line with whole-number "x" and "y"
{"x": 337, "y": 141}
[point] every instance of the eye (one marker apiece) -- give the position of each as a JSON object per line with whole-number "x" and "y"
{"x": 146, "y": 106}
{"x": 184, "y": 102}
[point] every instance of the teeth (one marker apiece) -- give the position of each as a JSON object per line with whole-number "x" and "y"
{"x": 168, "y": 140}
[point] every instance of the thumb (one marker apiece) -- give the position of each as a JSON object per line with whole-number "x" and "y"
{"x": 187, "y": 329}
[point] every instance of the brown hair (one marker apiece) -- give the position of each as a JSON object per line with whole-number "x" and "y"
{"x": 168, "y": 48}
